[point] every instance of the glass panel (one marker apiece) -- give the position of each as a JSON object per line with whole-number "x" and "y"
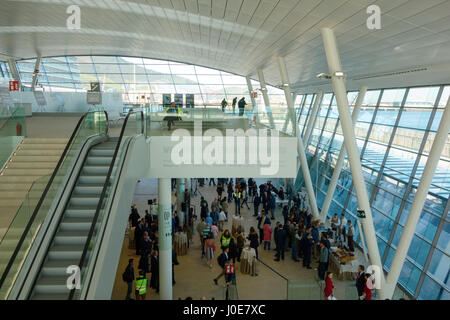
{"x": 409, "y": 277}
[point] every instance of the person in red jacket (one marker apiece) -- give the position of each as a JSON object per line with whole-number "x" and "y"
{"x": 328, "y": 291}
{"x": 367, "y": 294}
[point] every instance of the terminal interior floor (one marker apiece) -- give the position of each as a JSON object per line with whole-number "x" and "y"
{"x": 195, "y": 279}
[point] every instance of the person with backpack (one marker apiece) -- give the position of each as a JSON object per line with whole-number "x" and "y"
{"x": 241, "y": 105}
{"x": 141, "y": 286}
{"x": 221, "y": 260}
{"x": 128, "y": 277}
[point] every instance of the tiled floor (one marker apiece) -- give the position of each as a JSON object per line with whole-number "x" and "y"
{"x": 194, "y": 278}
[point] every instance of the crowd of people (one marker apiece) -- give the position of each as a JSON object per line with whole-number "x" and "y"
{"x": 299, "y": 234}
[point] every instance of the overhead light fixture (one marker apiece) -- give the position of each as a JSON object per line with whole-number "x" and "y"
{"x": 285, "y": 84}
{"x": 339, "y": 74}
{"x": 323, "y": 76}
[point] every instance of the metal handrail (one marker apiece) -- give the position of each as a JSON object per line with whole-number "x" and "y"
{"x": 103, "y": 194}
{"x": 44, "y": 194}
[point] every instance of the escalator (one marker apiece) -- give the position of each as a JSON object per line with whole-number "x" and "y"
{"x": 68, "y": 243}
{"x": 67, "y": 225}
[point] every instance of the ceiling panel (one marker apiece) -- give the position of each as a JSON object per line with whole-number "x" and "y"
{"x": 238, "y": 36}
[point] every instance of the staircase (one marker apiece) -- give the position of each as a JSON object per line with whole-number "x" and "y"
{"x": 71, "y": 236}
{"x": 34, "y": 158}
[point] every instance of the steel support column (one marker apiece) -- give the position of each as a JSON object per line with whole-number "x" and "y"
{"x": 340, "y": 161}
{"x": 262, "y": 83}
{"x": 165, "y": 239}
{"x": 13, "y": 70}
{"x": 180, "y": 200}
{"x": 287, "y": 94}
{"x": 36, "y": 72}
{"x": 340, "y": 90}
{"x": 250, "y": 91}
{"x": 418, "y": 203}
{"x": 300, "y": 145}
{"x": 313, "y": 117}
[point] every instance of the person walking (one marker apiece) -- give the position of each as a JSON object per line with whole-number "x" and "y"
{"x": 141, "y": 286}
{"x": 210, "y": 246}
{"x": 241, "y": 105}
{"x": 280, "y": 241}
{"x": 267, "y": 236}
{"x": 154, "y": 280}
{"x": 350, "y": 234}
{"x": 328, "y": 290}
{"x": 295, "y": 245}
{"x": 237, "y": 201}
{"x": 323, "y": 260}
{"x": 201, "y": 225}
{"x": 225, "y": 239}
{"x": 128, "y": 277}
{"x": 253, "y": 238}
{"x": 221, "y": 260}
{"x": 261, "y": 220}
{"x": 224, "y": 204}
{"x": 256, "y": 203}
{"x": 244, "y": 198}
{"x": 224, "y": 104}
{"x": 234, "y": 104}
{"x": 240, "y": 242}
{"x": 222, "y": 219}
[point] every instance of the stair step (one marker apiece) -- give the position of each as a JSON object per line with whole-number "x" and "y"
{"x": 40, "y": 152}
{"x": 42, "y": 146}
{"x": 64, "y": 237}
{"x": 31, "y": 158}
{"x": 80, "y": 212}
{"x": 88, "y": 190}
{"x": 32, "y": 165}
{"x": 95, "y": 170}
{"x": 58, "y": 267}
{"x": 52, "y": 285}
{"x": 98, "y": 161}
{"x": 6, "y": 186}
{"x": 101, "y": 152}
{"x": 18, "y": 179}
{"x": 62, "y": 252}
{"x": 26, "y": 172}
{"x": 92, "y": 179}
{"x": 45, "y": 140}
{"x": 84, "y": 200}
{"x": 55, "y": 296}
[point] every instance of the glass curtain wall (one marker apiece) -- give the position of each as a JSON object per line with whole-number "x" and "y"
{"x": 394, "y": 131}
{"x": 142, "y": 80}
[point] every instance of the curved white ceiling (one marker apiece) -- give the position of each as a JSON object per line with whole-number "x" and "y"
{"x": 240, "y": 36}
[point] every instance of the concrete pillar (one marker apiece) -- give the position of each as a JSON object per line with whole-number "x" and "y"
{"x": 262, "y": 83}
{"x": 313, "y": 117}
{"x": 340, "y": 162}
{"x": 165, "y": 239}
{"x": 340, "y": 91}
{"x": 180, "y": 200}
{"x": 418, "y": 203}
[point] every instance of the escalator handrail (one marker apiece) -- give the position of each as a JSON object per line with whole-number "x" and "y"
{"x": 44, "y": 194}
{"x": 103, "y": 194}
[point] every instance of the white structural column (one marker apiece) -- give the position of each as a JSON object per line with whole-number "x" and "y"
{"x": 262, "y": 83}
{"x": 250, "y": 91}
{"x": 180, "y": 200}
{"x": 418, "y": 203}
{"x": 313, "y": 116}
{"x": 300, "y": 145}
{"x": 290, "y": 115}
{"x": 35, "y": 73}
{"x": 13, "y": 69}
{"x": 165, "y": 239}
{"x": 334, "y": 65}
{"x": 340, "y": 161}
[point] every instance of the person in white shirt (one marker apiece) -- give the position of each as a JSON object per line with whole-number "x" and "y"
{"x": 342, "y": 225}
{"x": 222, "y": 219}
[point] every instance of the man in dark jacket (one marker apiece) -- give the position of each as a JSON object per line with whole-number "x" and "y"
{"x": 280, "y": 241}
{"x": 221, "y": 260}
{"x": 234, "y": 104}
{"x": 154, "y": 280}
{"x": 134, "y": 216}
{"x": 241, "y": 105}
{"x": 307, "y": 249}
{"x": 128, "y": 276}
{"x": 256, "y": 203}
{"x": 260, "y": 226}
{"x": 360, "y": 281}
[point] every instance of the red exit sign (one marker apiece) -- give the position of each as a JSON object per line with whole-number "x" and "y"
{"x": 14, "y": 86}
